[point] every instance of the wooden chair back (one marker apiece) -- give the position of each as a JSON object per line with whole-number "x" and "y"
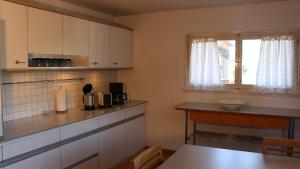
{"x": 148, "y": 159}
{"x": 279, "y": 146}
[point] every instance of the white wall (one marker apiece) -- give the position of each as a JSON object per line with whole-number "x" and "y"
{"x": 160, "y": 55}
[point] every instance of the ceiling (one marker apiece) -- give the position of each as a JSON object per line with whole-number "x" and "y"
{"x": 128, "y": 7}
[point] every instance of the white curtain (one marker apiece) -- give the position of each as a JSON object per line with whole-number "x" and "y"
{"x": 277, "y": 70}
{"x": 204, "y": 70}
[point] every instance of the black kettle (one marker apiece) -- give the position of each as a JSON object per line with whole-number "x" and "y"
{"x": 88, "y": 98}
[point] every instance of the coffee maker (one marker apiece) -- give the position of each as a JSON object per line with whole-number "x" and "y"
{"x": 118, "y": 95}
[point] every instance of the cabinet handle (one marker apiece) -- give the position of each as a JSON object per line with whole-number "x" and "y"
{"x": 18, "y": 62}
{"x": 115, "y": 63}
{"x": 95, "y": 63}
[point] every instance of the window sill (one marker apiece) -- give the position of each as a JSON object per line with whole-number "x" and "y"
{"x": 247, "y": 91}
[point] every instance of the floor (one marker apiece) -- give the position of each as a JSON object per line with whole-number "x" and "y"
{"x": 229, "y": 141}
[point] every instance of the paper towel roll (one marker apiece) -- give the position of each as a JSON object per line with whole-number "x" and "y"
{"x": 61, "y": 99}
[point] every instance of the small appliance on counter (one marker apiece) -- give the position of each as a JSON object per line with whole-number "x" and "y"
{"x": 104, "y": 100}
{"x": 118, "y": 95}
{"x": 88, "y": 97}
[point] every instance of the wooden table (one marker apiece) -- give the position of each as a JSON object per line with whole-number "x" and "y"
{"x": 247, "y": 116}
{"x": 197, "y": 157}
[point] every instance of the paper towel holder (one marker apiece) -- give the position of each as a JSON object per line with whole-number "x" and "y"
{"x": 61, "y": 100}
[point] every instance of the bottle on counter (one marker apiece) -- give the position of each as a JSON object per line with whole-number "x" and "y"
{"x": 61, "y": 99}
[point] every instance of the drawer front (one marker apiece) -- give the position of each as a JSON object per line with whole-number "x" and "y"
{"x": 111, "y": 118}
{"x": 23, "y": 145}
{"x": 136, "y": 110}
{"x": 270, "y": 122}
{"x": 204, "y": 116}
{"x": 236, "y": 119}
{"x": 46, "y": 160}
{"x": 78, "y": 150}
{"x": 90, "y": 164}
{"x": 78, "y": 128}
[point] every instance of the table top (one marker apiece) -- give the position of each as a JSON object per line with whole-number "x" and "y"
{"x": 197, "y": 157}
{"x": 251, "y": 110}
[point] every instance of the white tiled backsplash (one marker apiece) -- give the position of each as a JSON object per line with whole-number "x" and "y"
{"x": 29, "y": 99}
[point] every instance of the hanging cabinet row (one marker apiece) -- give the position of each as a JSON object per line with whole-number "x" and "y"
{"x": 27, "y": 30}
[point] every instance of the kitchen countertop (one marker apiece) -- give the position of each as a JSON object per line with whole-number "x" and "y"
{"x": 31, "y": 125}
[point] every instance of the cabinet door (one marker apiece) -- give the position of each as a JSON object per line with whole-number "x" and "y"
{"x": 90, "y": 164}
{"x": 75, "y": 36}
{"x": 120, "y": 47}
{"x": 47, "y": 160}
{"x": 135, "y": 136}
{"x": 78, "y": 128}
{"x": 14, "y": 54}
{"x": 44, "y": 32}
{"x": 98, "y": 45}
{"x": 79, "y": 150}
{"x": 112, "y": 146}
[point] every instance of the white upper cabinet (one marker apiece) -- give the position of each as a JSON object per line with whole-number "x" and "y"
{"x": 120, "y": 48}
{"x": 98, "y": 45}
{"x": 75, "y": 36}
{"x": 25, "y": 30}
{"x": 44, "y": 32}
{"x": 14, "y": 34}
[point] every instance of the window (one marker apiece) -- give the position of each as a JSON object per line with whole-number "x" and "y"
{"x": 266, "y": 64}
{"x": 226, "y": 55}
{"x": 250, "y": 56}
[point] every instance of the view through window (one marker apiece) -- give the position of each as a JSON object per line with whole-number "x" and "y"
{"x": 226, "y": 55}
{"x": 228, "y": 60}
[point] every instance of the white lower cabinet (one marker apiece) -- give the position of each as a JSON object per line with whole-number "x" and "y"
{"x": 26, "y": 144}
{"x": 47, "y": 160}
{"x": 79, "y": 150}
{"x": 112, "y": 146}
{"x": 90, "y": 164}
{"x": 102, "y": 150}
{"x": 135, "y": 136}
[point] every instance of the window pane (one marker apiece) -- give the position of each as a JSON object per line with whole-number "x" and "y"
{"x": 250, "y": 56}
{"x": 226, "y": 54}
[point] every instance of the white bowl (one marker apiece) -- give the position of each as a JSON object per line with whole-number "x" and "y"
{"x": 231, "y": 104}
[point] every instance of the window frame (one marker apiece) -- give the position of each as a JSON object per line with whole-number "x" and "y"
{"x": 239, "y": 37}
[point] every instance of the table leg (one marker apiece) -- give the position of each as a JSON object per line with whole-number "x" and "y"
{"x": 291, "y": 129}
{"x": 186, "y": 127}
{"x": 194, "y": 132}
